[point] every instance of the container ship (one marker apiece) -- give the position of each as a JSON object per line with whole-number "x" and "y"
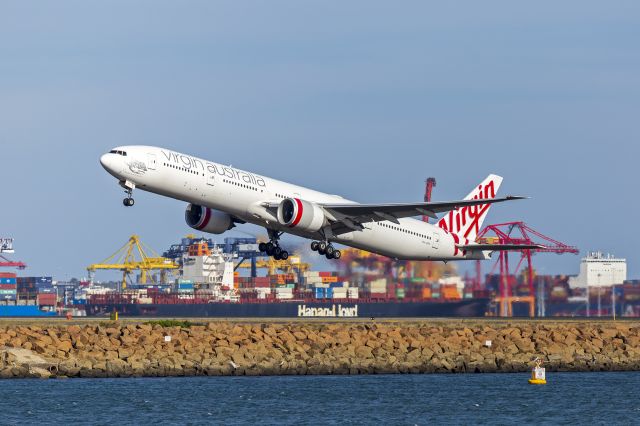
{"x": 26, "y": 297}
{"x": 210, "y": 285}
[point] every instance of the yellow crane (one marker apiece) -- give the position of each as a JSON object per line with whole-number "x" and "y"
{"x": 126, "y": 261}
{"x": 293, "y": 263}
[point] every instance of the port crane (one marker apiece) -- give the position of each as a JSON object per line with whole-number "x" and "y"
{"x": 125, "y": 260}
{"x": 6, "y": 246}
{"x": 517, "y": 233}
{"x": 292, "y": 264}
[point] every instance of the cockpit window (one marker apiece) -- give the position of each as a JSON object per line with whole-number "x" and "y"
{"x": 114, "y": 151}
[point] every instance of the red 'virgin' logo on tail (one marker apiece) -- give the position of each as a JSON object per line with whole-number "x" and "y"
{"x": 465, "y": 221}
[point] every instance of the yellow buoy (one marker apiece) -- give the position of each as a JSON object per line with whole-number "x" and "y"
{"x": 538, "y": 374}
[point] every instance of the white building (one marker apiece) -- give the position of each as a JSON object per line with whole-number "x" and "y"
{"x": 599, "y": 270}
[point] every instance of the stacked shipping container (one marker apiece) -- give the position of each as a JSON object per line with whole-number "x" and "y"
{"x": 8, "y": 286}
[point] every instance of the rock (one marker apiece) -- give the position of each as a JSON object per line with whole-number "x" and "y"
{"x": 223, "y": 348}
{"x": 64, "y": 346}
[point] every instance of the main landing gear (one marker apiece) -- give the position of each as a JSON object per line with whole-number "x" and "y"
{"x": 272, "y": 248}
{"x": 326, "y": 249}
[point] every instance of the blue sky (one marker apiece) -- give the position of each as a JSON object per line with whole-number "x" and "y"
{"x": 361, "y": 98}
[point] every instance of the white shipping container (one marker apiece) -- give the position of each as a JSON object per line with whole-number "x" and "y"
{"x": 353, "y": 293}
{"x": 378, "y": 289}
{"x": 284, "y": 296}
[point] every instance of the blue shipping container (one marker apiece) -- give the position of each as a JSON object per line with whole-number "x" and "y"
{"x": 319, "y": 293}
{"x": 185, "y": 286}
{"x": 329, "y": 293}
{"x": 8, "y": 281}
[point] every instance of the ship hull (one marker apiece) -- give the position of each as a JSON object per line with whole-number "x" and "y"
{"x": 28, "y": 311}
{"x": 297, "y": 309}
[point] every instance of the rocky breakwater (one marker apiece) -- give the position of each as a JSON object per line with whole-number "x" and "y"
{"x": 225, "y": 348}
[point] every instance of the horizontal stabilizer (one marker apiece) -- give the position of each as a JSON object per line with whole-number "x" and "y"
{"x": 499, "y": 247}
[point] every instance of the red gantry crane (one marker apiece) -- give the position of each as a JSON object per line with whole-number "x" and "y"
{"x": 516, "y": 233}
{"x": 6, "y": 246}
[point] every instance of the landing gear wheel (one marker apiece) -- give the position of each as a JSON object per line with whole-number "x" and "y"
{"x": 314, "y": 245}
{"x": 270, "y": 249}
{"x": 329, "y": 256}
{"x": 330, "y": 250}
{"x": 262, "y": 247}
{"x": 277, "y": 251}
{"x": 337, "y": 255}
{"x": 128, "y": 202}
{"x": 284, "y": 255}
{"x": 277, "y": 256}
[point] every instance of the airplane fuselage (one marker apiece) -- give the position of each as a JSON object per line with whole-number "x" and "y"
{"x": 243, "y": 195}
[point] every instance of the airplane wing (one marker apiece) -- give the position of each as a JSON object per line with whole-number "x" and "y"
{"x": 499, "y": 247}
{"x": 348, "y": 217}
{"x": 363, "y": 213}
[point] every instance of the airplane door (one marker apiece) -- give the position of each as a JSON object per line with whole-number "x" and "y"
{"x": 210, "y": 178}
{"x": 151, "y": 161}
{"x": 436, "y": 240}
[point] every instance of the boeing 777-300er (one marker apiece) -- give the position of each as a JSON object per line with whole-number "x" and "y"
{"x": 221, "y": 196}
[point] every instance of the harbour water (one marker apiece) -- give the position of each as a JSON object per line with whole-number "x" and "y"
{"x": 569, "y": 398}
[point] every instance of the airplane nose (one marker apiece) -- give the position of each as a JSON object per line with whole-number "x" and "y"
{"x": 109, "y": 163}
{"x": 104, "y": 160}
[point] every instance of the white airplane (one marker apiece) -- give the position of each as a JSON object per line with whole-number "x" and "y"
{"x": 221, "y": 196}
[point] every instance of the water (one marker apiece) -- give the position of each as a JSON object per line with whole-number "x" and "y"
{"x": 569, "y": 398}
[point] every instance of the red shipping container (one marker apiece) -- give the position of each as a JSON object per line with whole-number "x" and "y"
{"x": 48, "y": 299}
{"x": 7, "y": 275}
{"x": 7, "y": 286}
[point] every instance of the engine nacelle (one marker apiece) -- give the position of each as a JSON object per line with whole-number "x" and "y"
{"x": 300, "y": 214}
{"x": 207, "y": 220}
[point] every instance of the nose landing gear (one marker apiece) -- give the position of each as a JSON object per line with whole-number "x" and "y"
{"x": 128, "y": 189}
{"x": 326, "y": 249}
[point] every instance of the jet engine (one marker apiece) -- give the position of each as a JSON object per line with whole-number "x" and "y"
{"x": 300, "y": 214}
{"x": 208, "y": 220}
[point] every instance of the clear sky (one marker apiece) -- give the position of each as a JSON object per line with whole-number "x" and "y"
{"x": 365, "y": 99}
